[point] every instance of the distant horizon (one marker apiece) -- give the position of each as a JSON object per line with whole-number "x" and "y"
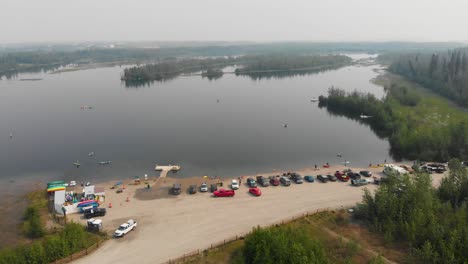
{"x": 71, "y": 42}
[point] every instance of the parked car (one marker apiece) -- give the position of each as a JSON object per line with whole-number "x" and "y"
{"x": 353, "y": 175}
{"x": 213, "y": 187}
{"x": 359, "y": 182}
{"x": 274, "y": 180}
{"x": 285, "y": 181}
{"x": 72, "y": 183}
{"x": 332, "y": 178}
{"x": 341, "y": 176}
{"x": 263, "y": 181}
{"x": 192, "y": 189}
{"x": 176, "y": 188}
{"x": 366, "y": 173}
{"x": 255, "y": 191}
{"x": 224, "y": 193}
{"x": 297, "y": 178}
{"x": 126, "y": 227}
{"x": 204, "y": 187}
{"x": 377, "y": 181}
{"x": 322, "y": 178}
{"x": 93, "y": 212}
{"x": 234, "y": 184}
{"x": 251, "y": 183}
{"x": 309, "y": 178}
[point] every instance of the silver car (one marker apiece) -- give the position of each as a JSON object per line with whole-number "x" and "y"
{"x": 204, "y": 187}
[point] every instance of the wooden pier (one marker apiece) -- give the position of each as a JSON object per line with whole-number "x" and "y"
{"x": 165, "y": 169}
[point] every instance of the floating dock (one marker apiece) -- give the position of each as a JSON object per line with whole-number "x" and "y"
{"x": 165, "y": 169}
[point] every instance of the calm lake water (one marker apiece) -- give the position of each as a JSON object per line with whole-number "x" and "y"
{"x": 180, "y": 122}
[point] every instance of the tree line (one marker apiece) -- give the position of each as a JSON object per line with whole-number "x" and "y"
{"x": 255, "y": 66}
{"x": 281, "y": 65}
{"x": 411, "y": 131}
{"x": 445, "y": 73}
{"x": 433, "y": 222}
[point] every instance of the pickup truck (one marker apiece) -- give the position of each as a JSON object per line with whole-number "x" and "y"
{"x": 95, "y": 212}
{"x": 224, "y": 193}
{"x": 126, "y": 227}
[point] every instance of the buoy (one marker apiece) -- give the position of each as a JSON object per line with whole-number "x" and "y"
{"x": 110, "y": 205}
{"x": 128, "y": 199}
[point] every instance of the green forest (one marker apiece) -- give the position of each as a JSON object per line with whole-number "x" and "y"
{"x": 446, "y": 73}
{"x": 417, "y": 126}
{"x": 433, "y": 222}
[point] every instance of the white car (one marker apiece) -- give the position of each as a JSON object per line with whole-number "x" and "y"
{"x": 234, "y": 184}
{"x": 72, "y": 183}
{"x": 124, "y": 228}
{"x": 204, "y": 187}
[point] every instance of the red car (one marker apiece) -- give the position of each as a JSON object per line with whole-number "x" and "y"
{"x": 341, "y": 176}
{"x": 255, "y": 191}
{"x": 224, "y": 193}
{"x": 274, "y": 181}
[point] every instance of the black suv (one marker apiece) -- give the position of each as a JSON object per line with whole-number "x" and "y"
{"x": 95, "y": 212}
{"x": 192, "y": 189}
{"x": 176, "y": 189}
{"x": 213, "y": 187}
{"x": 322, "y": 178}
{"x": 251, "y": 183}
{"x": 263, "y": 181}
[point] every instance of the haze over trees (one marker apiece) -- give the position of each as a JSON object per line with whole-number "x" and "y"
{"x": 446, "y": 72}
{"x": 37, "y": 57}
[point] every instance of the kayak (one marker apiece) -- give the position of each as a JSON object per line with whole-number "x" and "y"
{"x": 86, "y": 203}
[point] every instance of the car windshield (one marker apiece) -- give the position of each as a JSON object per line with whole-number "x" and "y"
{"x": 121, "y": 228}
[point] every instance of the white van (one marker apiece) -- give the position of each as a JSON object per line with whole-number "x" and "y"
{"x": 393, "y": 169}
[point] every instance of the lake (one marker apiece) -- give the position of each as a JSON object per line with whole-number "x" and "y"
{"x": 227, "y": 127}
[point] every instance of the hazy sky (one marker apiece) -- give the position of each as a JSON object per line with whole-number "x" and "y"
{"x": 234, "y": 20}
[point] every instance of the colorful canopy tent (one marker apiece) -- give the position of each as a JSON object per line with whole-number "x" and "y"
{"x": 55, "y": 183}
{"x": 55, "y": 188}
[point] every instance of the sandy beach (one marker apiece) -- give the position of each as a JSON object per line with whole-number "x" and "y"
{"x": 170, "y": 226}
